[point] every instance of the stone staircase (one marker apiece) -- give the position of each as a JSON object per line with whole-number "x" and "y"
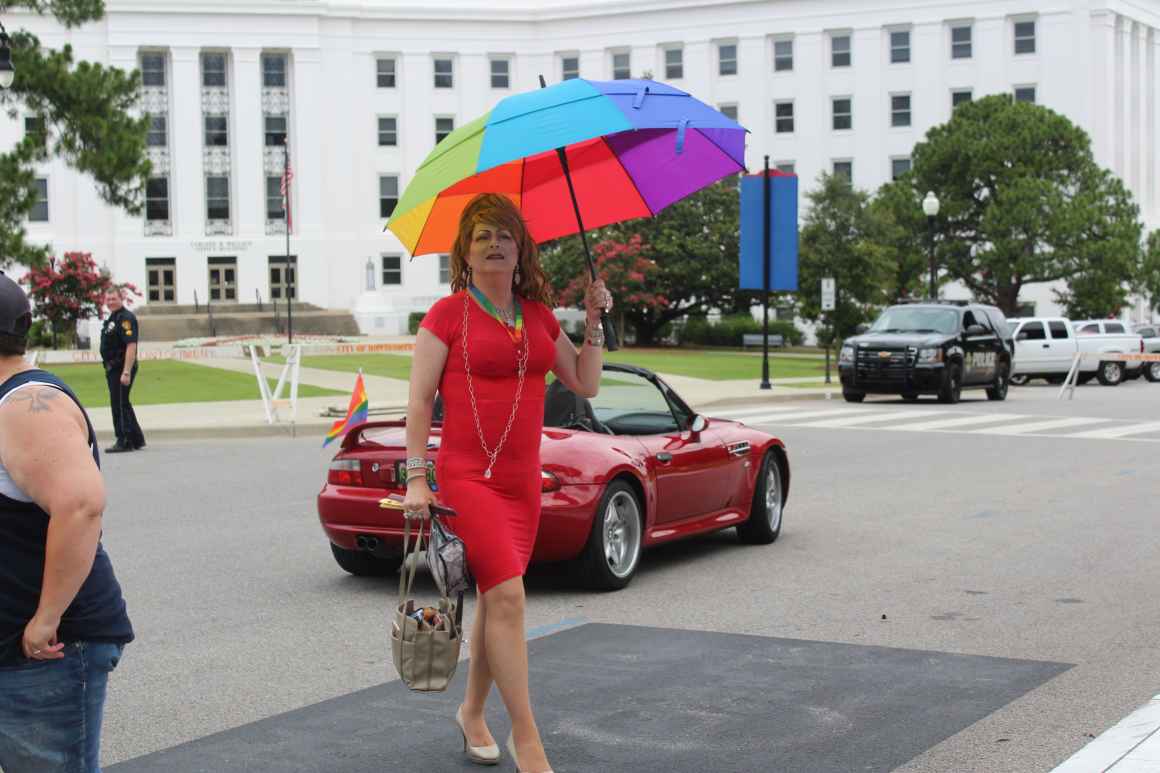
{"x": 172, "y": 322}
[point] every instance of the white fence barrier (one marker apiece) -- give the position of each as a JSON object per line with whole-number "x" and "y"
{"x": 1069, "y": 383}
{"x": 272, "y": 402}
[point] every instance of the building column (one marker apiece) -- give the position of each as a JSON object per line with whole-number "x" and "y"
{"x": 249, "y": 135}
{"x": 1152, "y": 214}
{"x": 187, "y": 176}
{"x": 1126, "y": 156}
{"x": 1103, "y": 87}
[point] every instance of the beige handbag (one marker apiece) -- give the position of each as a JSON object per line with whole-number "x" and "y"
{"x": 426, "y": 655}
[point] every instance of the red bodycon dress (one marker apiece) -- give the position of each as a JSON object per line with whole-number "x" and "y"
{"x": 498, "y": 516}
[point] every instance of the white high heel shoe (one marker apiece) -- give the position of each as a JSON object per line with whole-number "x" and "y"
{"x": 480, "y": 755}
{"x": 511, "y": 747}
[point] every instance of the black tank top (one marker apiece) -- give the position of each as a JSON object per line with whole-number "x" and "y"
{"x": 98, "y": 611}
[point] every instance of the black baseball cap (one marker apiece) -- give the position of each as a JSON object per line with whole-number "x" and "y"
{"x": 15, "y": 310}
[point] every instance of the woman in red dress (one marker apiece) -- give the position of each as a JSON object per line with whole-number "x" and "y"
{"x": 486, "y": 349}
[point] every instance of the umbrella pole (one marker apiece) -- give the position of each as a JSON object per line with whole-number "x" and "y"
{"x": 609, "y": 329}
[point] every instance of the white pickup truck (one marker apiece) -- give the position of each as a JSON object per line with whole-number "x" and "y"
{"x": 1151, "y": 336}
{"x": 1045, "y": 347}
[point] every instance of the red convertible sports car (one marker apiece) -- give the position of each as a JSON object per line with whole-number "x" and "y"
{"x": 632, "y": 468}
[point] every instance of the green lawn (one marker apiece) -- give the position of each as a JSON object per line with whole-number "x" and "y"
{"x": 171, "y": 381}
{"x": 697, "y": 363}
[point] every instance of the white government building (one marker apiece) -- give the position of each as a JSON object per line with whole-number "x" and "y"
{"x": 365, "y": 88}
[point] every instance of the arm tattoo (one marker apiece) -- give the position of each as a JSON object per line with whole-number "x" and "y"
{"x": 38, "y": 400}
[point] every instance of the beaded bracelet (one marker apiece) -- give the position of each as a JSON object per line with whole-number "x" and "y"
{"x": 416, "y": 463}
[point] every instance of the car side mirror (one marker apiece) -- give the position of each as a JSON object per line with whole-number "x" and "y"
{"x": 975, "y": 330}
{"x": 1021, "y": 337}
{"x": 862, "y": 328}
{"x": 698, "y": 424}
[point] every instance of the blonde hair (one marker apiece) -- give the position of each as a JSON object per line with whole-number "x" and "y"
{"x": 499, "y": 211}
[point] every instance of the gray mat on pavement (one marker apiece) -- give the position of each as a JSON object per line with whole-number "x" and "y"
{"x": 629, "y": 698}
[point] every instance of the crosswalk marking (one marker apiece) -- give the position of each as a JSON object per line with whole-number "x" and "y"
{"x": 964, "y": 421}
{"x": 1116, "y": 432}
{"x": 1037, "y": 426}
{"x": 856, "y": 420}
{"x": 897, "y": 419}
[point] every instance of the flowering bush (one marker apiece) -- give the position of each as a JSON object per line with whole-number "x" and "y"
{"x": 626, "y": 272}
{"x": 70, "y": 289}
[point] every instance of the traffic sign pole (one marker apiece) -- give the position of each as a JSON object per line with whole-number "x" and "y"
{"x": 829, "y": 293}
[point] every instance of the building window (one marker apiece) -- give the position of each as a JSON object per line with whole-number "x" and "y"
{"x": 899, "y": 167}
{"x": 900, "y": 110}
{"x": 275, "y": 131}
{"x": 392, "y": 270}
{"x": 153, "y": 69}
{"x": 157, "y": 198}
{"x": 388, "y": 132}
{"x": 213, "y": 70}
{"x": 621, "y": 66}
{"x": 1025, "y": 37}
{"x": 388, "y": 194}
{"x": 786, "y": 167}
{"x": 443, "y": 127}
{"x": 727, "y": 59}
{"x": 274, "y": 71}
{"x": 34, "y": 128}
{"x": 843, "y": 113}
{"x": 501, "y": 73}
{"x": 158, "y": 136}
{"x": 283, "y": 277}
{"x": 961, "y": 96}
{"x": 275, "y": 205}
{"x": 39, "y": 213}
{"x": 1025, "y": 94}
{"x": 674, "y": 63}
{"x": 216, "y": 131}
{"x": 385, "y": 72}
{"x": 569, "y": 67}
{"x": 840, "y": 51}
{"x": 845, "y": 170}
{"x": 161, "y": 275}
{"x": 444, "y": 269}
{"x": 900, "y": 46}
{"x": 217, "y": 198}
{"x": 783, "y": 117}
{"x": 782, "y": 55}
{"x": 444, "y": 73}
{"x": 961, "y": 35}
{"x": 729, "y": 111}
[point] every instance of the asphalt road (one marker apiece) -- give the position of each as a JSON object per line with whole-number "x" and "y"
{"x": 1028, "y": 547}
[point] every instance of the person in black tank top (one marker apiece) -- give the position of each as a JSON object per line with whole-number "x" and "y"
{"x": 63, "y": 622}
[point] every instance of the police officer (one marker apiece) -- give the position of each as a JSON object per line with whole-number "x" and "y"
{"x": 119, "y": 337}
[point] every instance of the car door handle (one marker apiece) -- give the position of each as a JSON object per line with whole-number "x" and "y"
{"x": 664, "y": 457}
{"x": 1047, "y": 346}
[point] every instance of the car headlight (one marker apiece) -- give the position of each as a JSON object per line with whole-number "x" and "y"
{"x": 846, "y": 355}
{"x": 930, "y": 355}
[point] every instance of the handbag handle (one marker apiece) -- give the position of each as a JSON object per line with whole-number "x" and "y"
{"x": 407, "y": 580}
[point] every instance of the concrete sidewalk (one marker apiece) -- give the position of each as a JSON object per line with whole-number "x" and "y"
{"x": 247, "y": 418}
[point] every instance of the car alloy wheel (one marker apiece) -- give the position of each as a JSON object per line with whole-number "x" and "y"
{"x": 765, "y": 513}
{"x": 1152, "y": 372}
{"x": 773, "y": 494}
{"x": 1111, "y": 373}
{"x": 1019, "y": 380}
{"x": 621, "y": 534}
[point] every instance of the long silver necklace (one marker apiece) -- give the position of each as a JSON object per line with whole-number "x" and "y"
{"x": 521, "y": 369}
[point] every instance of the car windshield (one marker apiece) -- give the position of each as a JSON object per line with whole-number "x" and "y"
{"x": 629, "y": 404}
{"x": 916, "y": 320}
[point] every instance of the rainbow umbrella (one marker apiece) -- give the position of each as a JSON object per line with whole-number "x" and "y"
{"x": 577, "y": 154}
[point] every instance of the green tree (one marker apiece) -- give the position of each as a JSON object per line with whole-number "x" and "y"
{"x": 1023, "y": 201}
{"x": 898, "y": 232}
{"x": 835, "y": 242}
{"x": 86, "y": 110}
{"x": 1148, "y": 283}
{"x": 694, "y": 246}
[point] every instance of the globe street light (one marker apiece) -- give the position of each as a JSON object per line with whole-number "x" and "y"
{"x": 930, "y": 206}
{"x": 7, "y": 71}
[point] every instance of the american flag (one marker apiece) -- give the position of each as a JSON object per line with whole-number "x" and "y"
{"x": 287, "y": 176}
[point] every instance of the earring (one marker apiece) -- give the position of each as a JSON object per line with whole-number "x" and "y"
{"x": 468, "y": 272}
{"x": 516, "y": 278}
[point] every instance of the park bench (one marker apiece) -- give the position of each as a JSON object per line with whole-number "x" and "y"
{"x": 754, "y": 339}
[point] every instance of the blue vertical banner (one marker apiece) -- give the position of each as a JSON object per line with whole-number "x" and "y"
{"x": 783, "y": 244}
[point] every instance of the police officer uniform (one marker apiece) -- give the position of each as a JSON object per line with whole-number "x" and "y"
{"x": 118, "y": 331}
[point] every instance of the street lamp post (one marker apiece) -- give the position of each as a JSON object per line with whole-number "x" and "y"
{"x": 7, "y": 71}
{"x": 930, "y": 206}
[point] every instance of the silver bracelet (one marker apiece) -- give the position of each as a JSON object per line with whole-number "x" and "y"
{"x": 594, "y": 336}
{"x": 416, "y": 463}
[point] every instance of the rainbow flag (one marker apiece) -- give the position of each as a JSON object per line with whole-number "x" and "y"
{"x": 356, "y": 414}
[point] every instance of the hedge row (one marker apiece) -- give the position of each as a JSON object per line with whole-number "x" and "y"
{"x": 728, "y": 332}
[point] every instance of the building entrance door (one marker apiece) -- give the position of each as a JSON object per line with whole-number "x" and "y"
{"x": 223, "y": 280}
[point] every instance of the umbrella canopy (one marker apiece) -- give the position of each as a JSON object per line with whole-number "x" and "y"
{"x": 633, "y": 148}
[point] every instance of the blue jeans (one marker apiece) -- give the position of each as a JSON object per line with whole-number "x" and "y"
{"x": 51, "y": 710}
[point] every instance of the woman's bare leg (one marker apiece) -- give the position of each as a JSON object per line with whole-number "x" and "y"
{"x": 507, "y": 652}
{"x": 478, "y": 681}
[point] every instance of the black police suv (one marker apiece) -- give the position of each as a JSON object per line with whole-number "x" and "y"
{"x": 929, "y": 348}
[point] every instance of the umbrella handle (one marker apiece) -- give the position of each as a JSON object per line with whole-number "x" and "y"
{"x": 609, "y": 332}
